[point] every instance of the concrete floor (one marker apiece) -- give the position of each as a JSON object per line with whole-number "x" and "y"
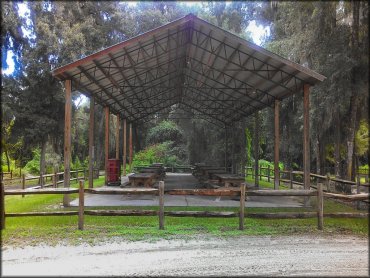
{"x": 177, "y": 180}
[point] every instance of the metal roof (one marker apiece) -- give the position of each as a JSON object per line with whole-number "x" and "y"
{"x": 190, "y": 63}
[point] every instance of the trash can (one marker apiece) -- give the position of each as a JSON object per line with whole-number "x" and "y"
{"x": 114, "y": 171}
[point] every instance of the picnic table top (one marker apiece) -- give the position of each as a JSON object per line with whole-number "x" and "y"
{"x": 141, "y": 175}
{"x": 229, "y": 176}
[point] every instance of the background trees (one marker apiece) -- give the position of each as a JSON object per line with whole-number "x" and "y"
{"x": 329, "y": 37}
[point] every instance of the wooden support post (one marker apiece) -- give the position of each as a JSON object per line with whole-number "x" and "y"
{"x": 226, "y": 143}
{"x": 106, "y": 143}
{"x": 161, "y": 205}
{"x": 81, "y": 203}
{"x": 130, "y": 151}
{"x": 291, "y": 178}
{"x": 117, "y": 138}
{"x": 23, "y": 183}
{"x": 256, "y": 149}
{"x": 91, "y": 142}
{"x": 242, "y": 206}
{"x": 2, "y": 204}
{"x": 124, "y": 157}
{"x": 320, "y": 207}
{"x": 306, "y": 140}
{"x": 276, "y": 144}
{"x": 232, "y": 149}
{"x": 268, "y": 173}
{"x": 67, "y": 139}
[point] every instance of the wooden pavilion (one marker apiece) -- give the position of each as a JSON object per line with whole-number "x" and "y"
{"x": 202, "y": 68}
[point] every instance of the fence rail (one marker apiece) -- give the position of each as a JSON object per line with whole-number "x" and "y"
{"x": 241, "y": 191}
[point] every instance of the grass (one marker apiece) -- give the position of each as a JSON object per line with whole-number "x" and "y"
{"x": 21, "y": 231}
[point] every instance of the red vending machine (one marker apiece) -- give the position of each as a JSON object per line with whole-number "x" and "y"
{"x": 114, "y": 172}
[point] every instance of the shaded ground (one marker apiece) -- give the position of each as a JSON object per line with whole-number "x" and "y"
{"x": 243, "y": 255}
{"x": 187, "y": 181}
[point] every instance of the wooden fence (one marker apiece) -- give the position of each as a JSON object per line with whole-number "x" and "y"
{"x": 54, "y": 179}
{"x": 199, "y": 192}
{"x": 292, "y": 176}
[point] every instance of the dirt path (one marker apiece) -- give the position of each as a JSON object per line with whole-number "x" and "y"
{"x": 243, "y": 255}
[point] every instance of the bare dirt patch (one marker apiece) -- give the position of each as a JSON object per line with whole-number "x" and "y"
{"x": 298, "y": 255}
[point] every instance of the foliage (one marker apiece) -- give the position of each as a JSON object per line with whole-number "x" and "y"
{"x": 165, "y": 131}
{"x": 162, "y": 152}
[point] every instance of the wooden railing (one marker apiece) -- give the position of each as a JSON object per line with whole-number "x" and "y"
{"x": 319, "y": 213}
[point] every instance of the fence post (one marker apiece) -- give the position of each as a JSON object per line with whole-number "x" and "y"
{"x": 242, "y": 206}
{"x": 268, "y": 173}
{"x": 327, "y": 181}
{"x": 41, "y": 180}
{"x": 358, "y": 191}
{"x": 81, "y": 205}
{"x": 291, "y": 178}
{"x": 161, "y": 205}
{"x": 23, "y": 183}
{"x": 320, "y": 207}
{"x": 11, "y": 174}
{"x": 76, "y": 175}
{"x": 55, "y": 179}
{"x": 2, "y": 199}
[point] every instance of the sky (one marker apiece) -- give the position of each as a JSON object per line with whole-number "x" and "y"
{"x": 257, "y": 32}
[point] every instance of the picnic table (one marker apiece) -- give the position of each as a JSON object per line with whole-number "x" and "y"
{"x": 229, "y": 179}
{"x": 146, "y": 179}
{"x": 211, "y": 173}
{"x": 159, "y": 172}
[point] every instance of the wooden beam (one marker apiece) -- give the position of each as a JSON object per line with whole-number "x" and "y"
{"x": 106, "y": 143}
{"x": 276, "y": 144}
{"x": 130, "y": 151}
{"x": 124, "y": 146}
{"x": 117, "y": 137}
{"x": 91, "y": 142}
{"x": 67, "y": 138}
{"x": 256, "y": 148}
{"x": 306, "y": 136}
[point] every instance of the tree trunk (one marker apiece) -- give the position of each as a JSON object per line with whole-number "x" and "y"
{"x": 337, "y": 144}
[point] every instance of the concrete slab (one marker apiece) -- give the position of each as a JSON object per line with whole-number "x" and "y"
{"x": 184, "y": 180}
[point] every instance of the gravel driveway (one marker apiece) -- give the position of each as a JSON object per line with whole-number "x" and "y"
{"x": 243, "y": 255}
